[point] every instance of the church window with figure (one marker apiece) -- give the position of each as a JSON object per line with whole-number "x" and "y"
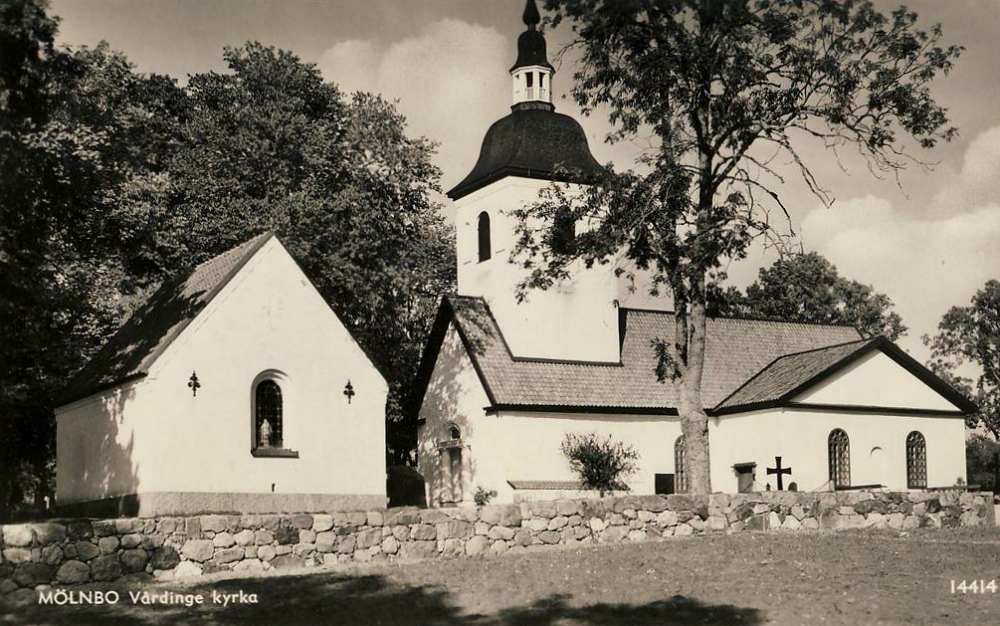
{"x": 268, "y": 414}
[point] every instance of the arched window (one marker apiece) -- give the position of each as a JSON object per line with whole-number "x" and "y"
{"x": 680, "y": 462}
{"x": 454, "y": 433}
{"x": 268, "y": 409}
{"x": 484, "y": 237}
{"x": 916, "y": 461}
{"x": 840, "y": 458}
{"x": 563, "y": 232}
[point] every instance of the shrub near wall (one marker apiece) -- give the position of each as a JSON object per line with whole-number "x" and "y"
{"x": 77, "y": 551}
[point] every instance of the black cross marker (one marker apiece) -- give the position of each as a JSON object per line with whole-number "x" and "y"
{"x": 777, "y": 469}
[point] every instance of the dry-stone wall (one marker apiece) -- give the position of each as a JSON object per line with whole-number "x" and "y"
{"x": 76, "y": 551}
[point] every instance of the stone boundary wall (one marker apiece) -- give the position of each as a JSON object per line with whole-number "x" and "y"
{"x": 77, "y": 551}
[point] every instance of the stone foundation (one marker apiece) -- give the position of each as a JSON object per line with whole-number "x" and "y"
{"x": 164, "y": 503}
{"x": 76, "y": 551}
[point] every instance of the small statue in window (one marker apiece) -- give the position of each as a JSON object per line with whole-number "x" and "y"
{"x": 264, "y": 435}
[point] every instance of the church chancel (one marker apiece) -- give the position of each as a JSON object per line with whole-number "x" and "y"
{"x": 791, "y": 405}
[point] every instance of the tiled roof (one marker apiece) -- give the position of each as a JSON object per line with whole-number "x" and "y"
{"x": 157, "y": 322}
{"x": 735, "y": 351}
{"x": 790, "y": 372}
{"x": 780, "y": 382}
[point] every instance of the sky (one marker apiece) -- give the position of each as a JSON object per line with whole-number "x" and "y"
{"x": 928, "y": 240}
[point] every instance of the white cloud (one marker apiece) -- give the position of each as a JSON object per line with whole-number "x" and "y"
{"x": 978, "y": 182}
{"x": 451, "y": 81}
{"x": 925, "y": 265}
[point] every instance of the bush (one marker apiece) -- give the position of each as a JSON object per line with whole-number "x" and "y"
{"x": 982, "y": 460}
{"x": 601, "y": 464}
{"x": 482, "y": 497}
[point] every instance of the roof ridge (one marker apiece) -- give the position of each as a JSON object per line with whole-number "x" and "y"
{"x": 761, "y": 371}
{"x": 245, "y": 242}
{"x": 628, "y": 385}
{"x": 88, "y": 380}
{"x": 829, "y": 347}
{"x": 741, "y": 318}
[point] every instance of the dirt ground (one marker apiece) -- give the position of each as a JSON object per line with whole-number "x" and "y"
{"x": 849, "y": 578}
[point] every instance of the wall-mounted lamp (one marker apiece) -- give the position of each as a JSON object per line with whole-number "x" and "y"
{"x": 349, "y": 391}
{"x": 194, "y": 384}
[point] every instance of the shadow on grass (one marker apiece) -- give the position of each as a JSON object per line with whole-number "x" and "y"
{"x": 335, "y": 599}
{"x": 677, "y": 610}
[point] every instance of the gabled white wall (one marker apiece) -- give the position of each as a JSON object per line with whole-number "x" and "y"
{"x": 269, "y": 317}
{"x": 520, "y": 445}
{"x": 454, "y": 396}
{"x": 800, "y": 437}
{"x": 876, "y": 380}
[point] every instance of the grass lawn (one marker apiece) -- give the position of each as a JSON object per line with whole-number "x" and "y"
{"x": 851, "y": 578}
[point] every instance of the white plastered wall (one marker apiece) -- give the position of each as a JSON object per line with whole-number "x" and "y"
{"x": 95, "y": 445}
{"x": 876, "y": 380}
{"x": 454, "y": 396}
{"x": 269, "y": 317}
{"x": 576, "y": 319}
{"x": 520, "y": 445}
{"x": 799, "y": 437}
{"x": 528, "y": 446}
{"x": 877, "y": 438}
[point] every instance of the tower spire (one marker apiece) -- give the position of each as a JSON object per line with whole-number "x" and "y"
{"x": 531, "y": 16}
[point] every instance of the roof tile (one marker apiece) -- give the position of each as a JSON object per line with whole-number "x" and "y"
{"x": 736, "y": 350}
{"x": 157, "y": 322}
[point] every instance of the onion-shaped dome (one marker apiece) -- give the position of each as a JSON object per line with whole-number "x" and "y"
{"x": 533, "y": 142}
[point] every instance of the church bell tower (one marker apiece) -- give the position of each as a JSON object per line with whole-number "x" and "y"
{"x": 523, "y": 153}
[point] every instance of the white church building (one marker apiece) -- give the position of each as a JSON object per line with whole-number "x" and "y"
{"x": 234, "y": 388}
{"x": 791, "y": 405}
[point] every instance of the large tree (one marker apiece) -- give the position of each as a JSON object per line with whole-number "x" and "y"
{"x": 720, "y": 86}
{"x": 806, "y": 287}
{"x": 54, "y": 169}
{"x": 271, "y": 145}
{"x": 969, "y": 337}
{"x": 112, "y": 180}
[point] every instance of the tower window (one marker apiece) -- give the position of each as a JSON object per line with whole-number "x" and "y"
{"x": 563, "y": 232}
{"x": 484, "y": 237}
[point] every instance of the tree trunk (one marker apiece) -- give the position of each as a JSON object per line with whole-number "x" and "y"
{"x": 694, "y": 420}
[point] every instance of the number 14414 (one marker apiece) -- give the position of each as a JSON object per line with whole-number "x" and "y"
{"x": 974, "y": 586}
